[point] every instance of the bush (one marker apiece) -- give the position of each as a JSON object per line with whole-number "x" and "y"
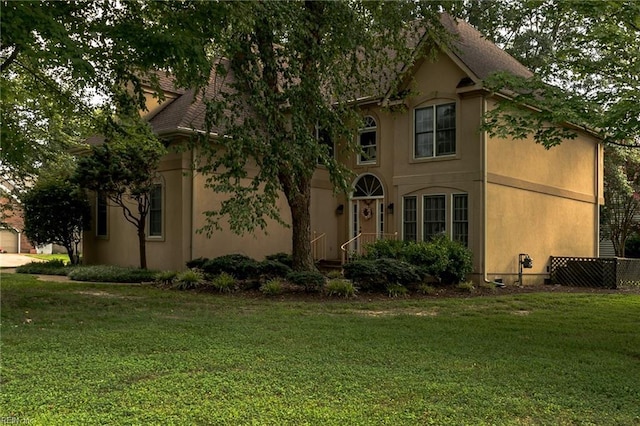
{"x": 397, "y": 271}
{"x": 466, "y": 287}
{"x": 445, "y": 260}
{"x": 188, "y": 280}
{"x": 272, "y": 287}
{"x": 51, "y": 267}
{"x": 334, "y": 274}
{"x": 311, "y": 281}
{"x": 273, "y": 269}
{"x": 281, "y": 257}
{"x": 111, "y": 274}
{"x": 165, "y": 277}
{"x": 240, "y": 266}
{"x": 427, "y": 289}
{"x": 395, "y": 290}
{"x": 224, "y": 283}
{"x": 197, "y": 263}
{"x": 340, "y": 287}
{"x": 376, "y": 275}
{"x": 364, "y": 273}
{"x": 390, "y": 249}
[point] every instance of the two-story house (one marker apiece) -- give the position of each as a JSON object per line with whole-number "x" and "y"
{"x": 425, "y": 169}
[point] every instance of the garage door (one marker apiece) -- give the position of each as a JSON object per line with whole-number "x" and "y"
{"x": 9, "y": 240}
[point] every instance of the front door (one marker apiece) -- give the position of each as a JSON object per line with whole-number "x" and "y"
{"x": 367, "y": 210}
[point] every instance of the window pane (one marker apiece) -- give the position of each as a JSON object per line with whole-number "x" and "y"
{"x": 155, "y": 211}
{"x": 101, "y": 216}
{"x": 424, "y": 145}
{"x": 434, "y": 216}
{"x": 446, "y": 129}
{"x": 423, "y": 133}
{"x": 461, "y": 218}
{"x": 409, "y": 219}
{"x": 424, "y": 120}
{"x": 368, "y": 144}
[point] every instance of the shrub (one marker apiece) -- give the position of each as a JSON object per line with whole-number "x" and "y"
{"x": 165, "y": 277}
{"x": 281, "y": 257}
{"x": 51, "y": 267}
{"x": 427, "y": 289}
{"x": 240, "y": 266}
{"x": 311, "y": 281}
{"x": 395, "y": 290}
{"x": 376, "y": 275}
{"x": 390, "y": 249}
{"x": 334, "y": 274}
{"x": 365, "y": 274}
{"x": 397, "y": 271}
{"x": 466, "y": 287}
{"x": 273, "y": 269}
{"x": 189, "y": 279}
{"x": 340, "y": 287}
{"x": 272, "y": 287}
{"x": 429, "y": 258}
{"x": 112, "y": 274}
{"x": 224, "y": 283}
{"x": 197, "y": 263}
{"x": 460, "y": 263}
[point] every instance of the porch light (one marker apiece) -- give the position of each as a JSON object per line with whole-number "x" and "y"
{"x": 390, "y": 208}
{"x": 340, "y": 209}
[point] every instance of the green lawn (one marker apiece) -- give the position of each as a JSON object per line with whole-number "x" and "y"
{"x": 82, "y": 354}
{"x": 64, "y": 257}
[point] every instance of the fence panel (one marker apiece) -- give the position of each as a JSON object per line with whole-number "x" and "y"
{"x": 595, "y": 272}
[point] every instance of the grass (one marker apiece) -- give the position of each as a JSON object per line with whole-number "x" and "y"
{"x": 90, "y": 354}
{"x": 61, "y": 256}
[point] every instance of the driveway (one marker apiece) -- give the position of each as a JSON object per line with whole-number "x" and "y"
{"x": 12, "y": 260}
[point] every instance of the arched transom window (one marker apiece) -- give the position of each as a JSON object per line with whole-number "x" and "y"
{"x": 368, "y": 186}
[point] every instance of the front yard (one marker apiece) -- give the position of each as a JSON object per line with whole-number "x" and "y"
{"x": 75, "y": 353}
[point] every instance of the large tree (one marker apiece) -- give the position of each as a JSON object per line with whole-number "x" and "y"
{"x": 285, "y": 70}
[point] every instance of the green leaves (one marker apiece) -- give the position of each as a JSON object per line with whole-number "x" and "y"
{"x": 56, "y": 211}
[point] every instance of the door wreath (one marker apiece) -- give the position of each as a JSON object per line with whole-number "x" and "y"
{"x": 367, "y": 213}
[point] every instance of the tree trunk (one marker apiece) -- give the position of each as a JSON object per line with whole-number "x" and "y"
{"x": 300, "y": 205}
{"x": 142, "y": 241}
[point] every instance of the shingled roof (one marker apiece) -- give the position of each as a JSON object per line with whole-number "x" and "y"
{"x": 480, "y": 55}
{"x": 186, "y": 113}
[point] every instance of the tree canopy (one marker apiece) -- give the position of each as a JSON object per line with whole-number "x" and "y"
{"x": 56, "y": 211}
{"x": 586, "y": 57}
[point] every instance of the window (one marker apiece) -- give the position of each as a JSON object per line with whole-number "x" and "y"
{"x": 434, "y": 216}
{"x": 435, "y": 131}
{"x": 324, "y": 139}
{"x": 101, "y": 215}
{"x": 155, "y": 211}
{"x": 368, "y": 137}
{"x": 410, "y": 218}
{"x": 460, "y": 219}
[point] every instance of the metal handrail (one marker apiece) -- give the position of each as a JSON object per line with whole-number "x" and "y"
{"x": 323, "y": 245}
{"x": 344, "y": 246}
